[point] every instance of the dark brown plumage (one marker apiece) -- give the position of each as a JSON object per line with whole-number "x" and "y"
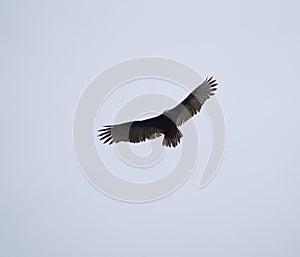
{"x": 164, "y": 124}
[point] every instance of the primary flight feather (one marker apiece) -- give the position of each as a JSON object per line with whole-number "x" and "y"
{"x": 165, "y": 124}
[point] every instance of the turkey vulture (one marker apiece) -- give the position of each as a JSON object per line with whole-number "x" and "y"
{"x": 166, "y": 123}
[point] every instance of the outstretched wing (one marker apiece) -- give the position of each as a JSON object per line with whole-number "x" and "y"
{"x": 134, "y": 132}
{"x": 191, "y": 105}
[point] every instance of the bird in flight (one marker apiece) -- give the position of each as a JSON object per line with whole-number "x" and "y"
{"x": 165, "y": 124}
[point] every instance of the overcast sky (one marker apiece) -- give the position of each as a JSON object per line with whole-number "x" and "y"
{"x": 50, "y": 51}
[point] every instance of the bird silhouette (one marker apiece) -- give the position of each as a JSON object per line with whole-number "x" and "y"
{"x": 165, "y": 124}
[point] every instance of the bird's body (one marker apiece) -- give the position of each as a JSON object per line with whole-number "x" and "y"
{"x": 164, "y": 124}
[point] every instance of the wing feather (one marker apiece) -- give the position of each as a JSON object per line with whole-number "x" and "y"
{"x": 134, "y": 132}
{"x": 192, "y": 104}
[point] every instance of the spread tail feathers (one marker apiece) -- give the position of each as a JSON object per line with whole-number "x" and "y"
{"x": 172, "y": 138}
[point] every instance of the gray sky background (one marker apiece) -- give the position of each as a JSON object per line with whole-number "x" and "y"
{"x": 51, "y": 50}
